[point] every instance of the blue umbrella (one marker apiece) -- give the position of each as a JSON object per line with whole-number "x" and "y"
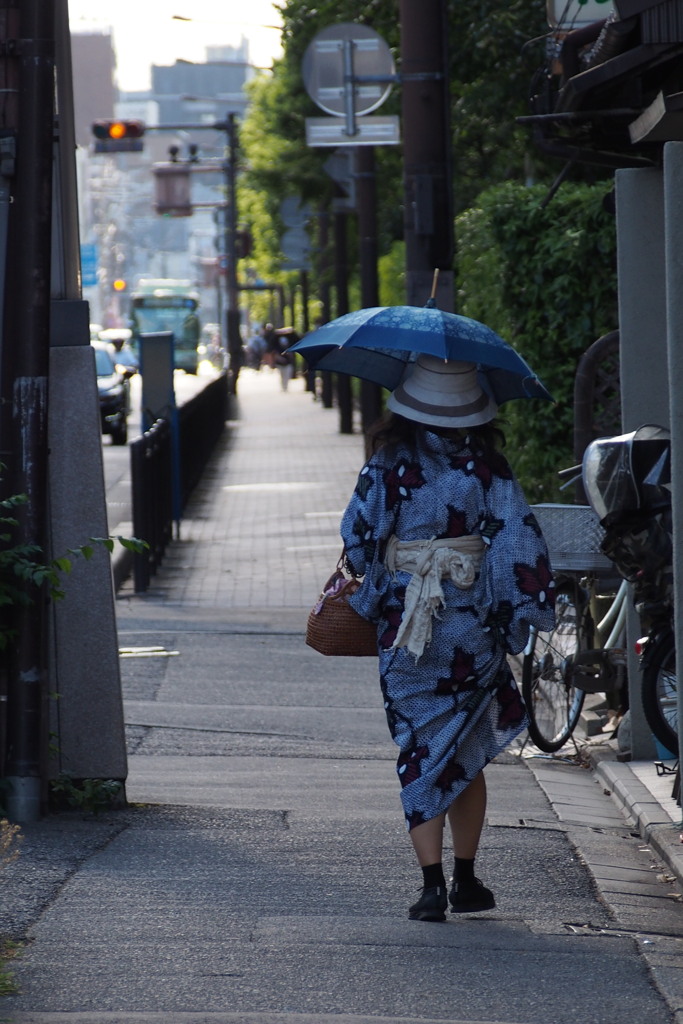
{"x": 376, "y": 344}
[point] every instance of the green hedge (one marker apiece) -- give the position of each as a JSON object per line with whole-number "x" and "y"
{"x": 544, "y": 277}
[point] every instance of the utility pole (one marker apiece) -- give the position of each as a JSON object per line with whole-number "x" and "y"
{"x": 341, "y": 281}
{"x": 366, "y": 195}
{"x": 173, "y": 182}
{"x": 429, "y": 231}
{"x": 27, "y": 345}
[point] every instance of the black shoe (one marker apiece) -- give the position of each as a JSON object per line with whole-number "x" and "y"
{"x": 470, "y": 897}
{"x": 431, "y": 905}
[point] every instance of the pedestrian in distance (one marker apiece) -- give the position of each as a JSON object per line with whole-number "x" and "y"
{"x": 255, "y": 349}
{"x": 283, "y": 359}
{"x": 271, "y": 345}
{"x": 455, "y": 570}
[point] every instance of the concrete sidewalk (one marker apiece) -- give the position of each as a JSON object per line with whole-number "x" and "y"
{"x": 260, "y": 873}
{"x": 261, "y": 535}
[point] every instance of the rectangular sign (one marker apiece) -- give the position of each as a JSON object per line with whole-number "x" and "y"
{"x": 371, "y": 131}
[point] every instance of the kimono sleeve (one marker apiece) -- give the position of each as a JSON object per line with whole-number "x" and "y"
{"x": 365, "y": 527}
{"x": 519, "y": 579}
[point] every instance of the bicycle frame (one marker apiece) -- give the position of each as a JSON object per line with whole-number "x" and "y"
{"x": 615, "y": 618}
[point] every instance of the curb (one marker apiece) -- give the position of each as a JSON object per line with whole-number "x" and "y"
{"x": 638, "y": 804}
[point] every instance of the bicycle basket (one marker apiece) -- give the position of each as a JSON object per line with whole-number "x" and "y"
{"x": 574, "y": 537}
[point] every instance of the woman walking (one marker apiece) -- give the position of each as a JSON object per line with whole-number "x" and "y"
{"x": 455, "y": 570}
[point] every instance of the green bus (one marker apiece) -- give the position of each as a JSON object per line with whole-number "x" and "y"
{"x": 168, "y": 304}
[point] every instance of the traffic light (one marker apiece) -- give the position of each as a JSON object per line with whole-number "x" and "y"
{"x": 118, "y": 136}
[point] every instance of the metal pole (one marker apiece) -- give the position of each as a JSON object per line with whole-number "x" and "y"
{"x": 341, "y": 279}
{"x": 233, "y": 336}
{"x": 349, "y": 89}
{"x": 326, "y": 392}
{"x": 28, "y": 325}
{"x": 69, "y": 263}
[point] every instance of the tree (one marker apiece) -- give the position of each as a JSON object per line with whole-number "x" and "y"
{"x": 495, "y": 48}
{"x": 491, "y": 68}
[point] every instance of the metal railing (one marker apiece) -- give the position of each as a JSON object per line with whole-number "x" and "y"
{"x": 151, "y": 465}
{"x": 167, "y": 462}
{"x": 201, "y": 423}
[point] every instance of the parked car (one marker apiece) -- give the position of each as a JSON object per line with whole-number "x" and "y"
{"x": 113, "y": 392}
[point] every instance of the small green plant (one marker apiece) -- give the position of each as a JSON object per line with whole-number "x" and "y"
{"x": 8, "y": 950}
{"x": 90, "y": 795}
{"x": 24, "y": 566}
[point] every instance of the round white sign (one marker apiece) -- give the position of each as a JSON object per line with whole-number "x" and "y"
{"x": 326, "y": 64}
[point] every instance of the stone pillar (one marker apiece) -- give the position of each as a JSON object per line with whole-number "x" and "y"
{"x": 87, "y": 716}
{"x": 673, "y": 190}
{"x": 643, "y": 352}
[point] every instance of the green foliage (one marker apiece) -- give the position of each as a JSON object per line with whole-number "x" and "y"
{"x": 495, "y": 48}
{"x": 544, "y": 277}
{"x": 90, "y": 795}
{"x": 492, "y": 62}
{"x": 392, "y": 276}
{"x": 24, "y": 571}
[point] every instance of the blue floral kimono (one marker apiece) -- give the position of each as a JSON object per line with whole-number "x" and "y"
{"x": 457, "y": 706}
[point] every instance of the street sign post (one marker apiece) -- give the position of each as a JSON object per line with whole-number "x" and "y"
{"x": 348, "y": 72}
{"x": 339, "y": 166}
{"x": 370, "y": 131}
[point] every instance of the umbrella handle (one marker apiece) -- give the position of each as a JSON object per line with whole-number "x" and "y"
{"x": 435, "y": 281}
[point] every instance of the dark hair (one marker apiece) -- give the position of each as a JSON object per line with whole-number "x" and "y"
{"x": 394, "y": 431}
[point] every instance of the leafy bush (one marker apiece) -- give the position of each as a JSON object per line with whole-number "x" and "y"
{"x": 91, "y": 795}
{"x": 24, "y": 569}
{"x": 544, "y": 277}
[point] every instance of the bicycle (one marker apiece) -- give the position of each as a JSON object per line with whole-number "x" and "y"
{"x": 660, "y": 685}
{"x": 626, "y": 527}
{"x": 585, "y": 652}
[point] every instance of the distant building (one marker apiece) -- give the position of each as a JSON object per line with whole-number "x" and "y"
{"x": 189, "y": 93}
{"x": 94, "y": 65}
{"x": 116, "y": 191}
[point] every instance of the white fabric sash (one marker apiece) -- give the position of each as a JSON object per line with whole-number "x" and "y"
{"x": 429, "y": 562}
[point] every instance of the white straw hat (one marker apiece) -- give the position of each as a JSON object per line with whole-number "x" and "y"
{"x": 442, "y": 393}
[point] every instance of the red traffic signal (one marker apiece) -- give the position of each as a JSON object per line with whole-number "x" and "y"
{"x": 118, "y": 136}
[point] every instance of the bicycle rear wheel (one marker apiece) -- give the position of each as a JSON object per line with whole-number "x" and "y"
{"x": 660, "y": 689}
{"x": 552, "y": 701}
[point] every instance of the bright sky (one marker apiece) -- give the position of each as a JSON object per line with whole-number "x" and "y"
{"x": 145, "y": 32}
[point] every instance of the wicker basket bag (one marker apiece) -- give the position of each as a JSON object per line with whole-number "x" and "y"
{"x": 334, "y": 628}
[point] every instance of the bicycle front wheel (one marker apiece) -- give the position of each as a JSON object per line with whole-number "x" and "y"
{"x": 552, "y": 701}
{"x": 660, "y": 690}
